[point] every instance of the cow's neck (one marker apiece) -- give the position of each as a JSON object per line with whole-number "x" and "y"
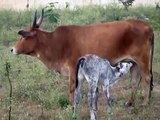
{"x": 47, "y": 52}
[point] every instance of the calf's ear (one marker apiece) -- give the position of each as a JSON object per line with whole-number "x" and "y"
{"x": 26, "y": 33}
{"x": 131, "y": 64}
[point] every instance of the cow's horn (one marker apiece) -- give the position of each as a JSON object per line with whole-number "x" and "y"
{"x": 35, "y": 20}
{"x": 40, "y": 19}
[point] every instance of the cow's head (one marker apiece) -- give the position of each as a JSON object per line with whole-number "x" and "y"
{"x": 28, "y": 38}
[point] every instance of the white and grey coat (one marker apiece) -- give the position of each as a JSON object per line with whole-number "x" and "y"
{"x": 97, "y": 70}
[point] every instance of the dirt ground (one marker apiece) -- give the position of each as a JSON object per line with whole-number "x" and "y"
{"x": 33, "y": 111}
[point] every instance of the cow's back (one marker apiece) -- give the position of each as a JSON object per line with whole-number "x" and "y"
{"x": 109, "y": 40}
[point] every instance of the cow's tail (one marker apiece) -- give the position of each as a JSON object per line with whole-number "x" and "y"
{"x": 80, "y": 64}
{"x": 151, "y": 61}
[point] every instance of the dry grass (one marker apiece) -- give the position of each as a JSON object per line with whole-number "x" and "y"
{"x": 30, "y": 110}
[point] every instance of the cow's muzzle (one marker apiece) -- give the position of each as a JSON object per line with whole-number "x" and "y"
{"x": 14, "y": 51}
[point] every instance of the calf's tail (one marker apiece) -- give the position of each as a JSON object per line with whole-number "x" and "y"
{"x": 80, "y": 64}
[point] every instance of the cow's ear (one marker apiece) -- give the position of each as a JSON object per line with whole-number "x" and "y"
{"x": 26, "y": 34}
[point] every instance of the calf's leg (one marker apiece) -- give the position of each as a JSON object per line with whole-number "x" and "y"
{"x": 77, "y": 94}
{"x": 107, "y": 98}
{"x": 91, "y": 99}
{"x": 96, "y": 99}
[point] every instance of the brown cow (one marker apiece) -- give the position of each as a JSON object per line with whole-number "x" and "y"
{"x": 112, "y": 40}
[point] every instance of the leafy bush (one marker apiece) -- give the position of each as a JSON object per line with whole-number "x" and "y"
{"x": 17, "y": 20}
{"x": 51, "y": 12}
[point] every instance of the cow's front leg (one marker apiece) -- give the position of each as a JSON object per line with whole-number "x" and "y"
{"x": 135, "y": 80}
{"x": 71, "y": 85}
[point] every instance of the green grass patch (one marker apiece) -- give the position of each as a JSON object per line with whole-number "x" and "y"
{"x": 39, "y": 93}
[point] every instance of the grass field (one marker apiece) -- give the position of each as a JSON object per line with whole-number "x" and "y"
{"x": 39, "y": 94}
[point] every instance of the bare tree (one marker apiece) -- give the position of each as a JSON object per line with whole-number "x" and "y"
{"x": 157, "y": 5}
{"x": 126, "y": 3}
{"x": 27, "y": 5}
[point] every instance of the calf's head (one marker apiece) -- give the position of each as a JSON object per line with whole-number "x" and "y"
{"x": 124, "y": 66}
{"x": 28, "y": 38}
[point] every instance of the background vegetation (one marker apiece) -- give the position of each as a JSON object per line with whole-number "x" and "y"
{"x": 41, "y": 94}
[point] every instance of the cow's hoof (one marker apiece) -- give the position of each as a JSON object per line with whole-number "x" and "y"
{"x": 128, "y": 104}
{"x": 74, "y": 117}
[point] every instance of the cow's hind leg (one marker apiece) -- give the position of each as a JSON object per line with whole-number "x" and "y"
{"x": 135, "y": 80}
{"x": 146, "y": 88}
{"x": 147, "y": 82}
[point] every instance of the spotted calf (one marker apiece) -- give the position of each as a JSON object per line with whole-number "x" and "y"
{"x": 97, "y": 70}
